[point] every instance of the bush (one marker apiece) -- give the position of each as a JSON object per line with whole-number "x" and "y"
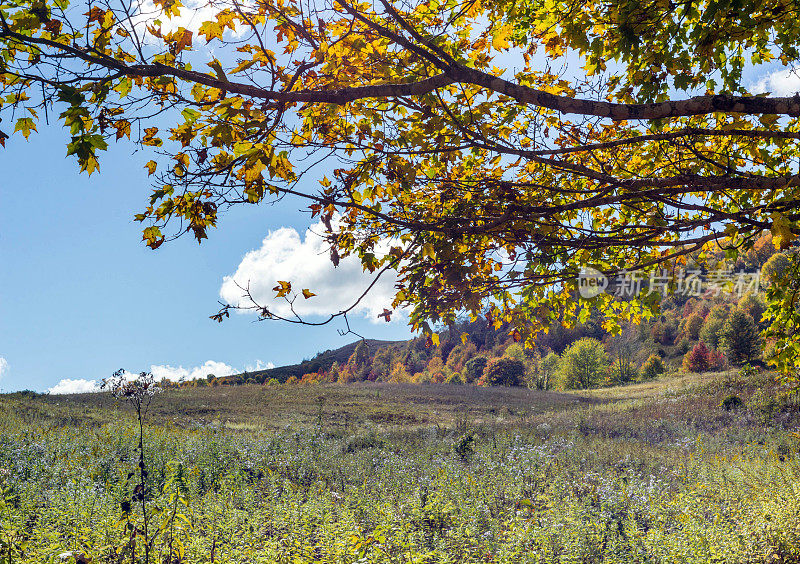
{"x": 473, "y": 369}
{"x": 740, "y": 338}
{"x": 273, "y": 382}
{"x": 653, "y": 367}
{"x": 583, "y": 364}
{"x": 454, "y": 378}
{"x": 464, "y": 449}
{"x": 504, "y": 372}
{"x": 731, "y": 402}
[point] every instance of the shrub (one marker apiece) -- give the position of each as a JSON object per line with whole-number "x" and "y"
{"x": 454, "y": 378}
{"x": 273, "y": 382}
{"x": 583, "y": 364}
{"x": 731, "y": 402}
{"x": 464, "y": 449}
{"x": 740, "y": 337}
{"x": 764, "y": 404}
{"x": 473, "y": 369}
{"x": 504, "y": 372}
{"x": 653, "y": 367}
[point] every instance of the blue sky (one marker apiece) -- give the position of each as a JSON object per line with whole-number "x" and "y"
{"x": 81, "y": 296}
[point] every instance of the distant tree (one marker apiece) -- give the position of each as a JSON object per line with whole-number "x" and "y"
{"x": 753, "y": 305}
{"x": 291, "y": 380}
{"x": 623, "y": 346}
{"x": 703, "y": 359}
{"x": 473, "y": 369}
{"x": 712, "y": 327}
{"x": 652, "y": 367}
{"x": 358, "y": 365}
{"x": 504, "y": 372}
{"x": 740, "y": 338}
{"x": 514, "y": 352}
{"x": 583, "y": 365}
{"x": 774, "y": 269}
{"x": 399, "y": 374}
{"x": 435, "y": 371}
{"x": 381, "y": 364}
{"x": 696, "y": 360}
{"x": 273, "y": 382}
{"x": 454, "y": 378}
{"x": 541, "y": 372}
{"x": 460, "y": 355}
{"x": 693, "y": 325}
{"x": 663, "y": 333}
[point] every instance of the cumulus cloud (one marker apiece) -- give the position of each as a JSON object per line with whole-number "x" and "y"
{"x": 259, "y": 365}
{"x": 159, "y": 371}
{"x": 76, "y": 386}
{"x": 177, "y": 373}
{"x": 305, "y": 262}
{"x": 3, "y": 366}
{"x": 783, "y": 82}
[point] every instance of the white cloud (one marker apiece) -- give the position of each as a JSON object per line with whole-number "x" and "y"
{"x": 305, "y": 263}
{"x": 192, "y": 15}
{"x": 77, "y": 386}
{"x": 159, "y": 371}
{"x": 259, "y": 365}
{"x": 784, "y": 82}
{"x": 176, "y": 373}
{"x": 3, "y": 366}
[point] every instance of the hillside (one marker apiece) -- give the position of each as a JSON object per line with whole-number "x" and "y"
{"x": 321, "y": 362}
{"x": 712, "y": 330}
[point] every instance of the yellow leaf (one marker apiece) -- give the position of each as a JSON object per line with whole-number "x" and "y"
{"x": 151, "y": 167}
{"x": 283, "y": 288}
{"x": 781, "y": 229}
{"x": 435, "y": 339}
{"x": 500, "y": 38}
{"x": 464, "y": 338}
{"x": 308, "y": 293}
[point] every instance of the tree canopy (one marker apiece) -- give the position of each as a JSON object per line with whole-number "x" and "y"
{"x": 483, "y": 150}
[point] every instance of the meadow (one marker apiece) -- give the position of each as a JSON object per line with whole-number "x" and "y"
{"x": 679, "y": 469}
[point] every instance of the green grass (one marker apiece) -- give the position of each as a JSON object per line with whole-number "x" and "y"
{"x": 653, "y": 472}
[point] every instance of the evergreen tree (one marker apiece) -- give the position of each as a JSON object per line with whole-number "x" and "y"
{"x": 740, "y": 338}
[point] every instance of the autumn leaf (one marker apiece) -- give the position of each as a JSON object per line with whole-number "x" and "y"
{"x": 501, "y": 36}
{"x": 282, "y": 289}
{"x": 782, "y": 235}
{"x": 308, "y": 293}
{"x": 150, "y": 138}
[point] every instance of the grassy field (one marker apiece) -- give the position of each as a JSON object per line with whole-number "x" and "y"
{"x": 652, "y": 472}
